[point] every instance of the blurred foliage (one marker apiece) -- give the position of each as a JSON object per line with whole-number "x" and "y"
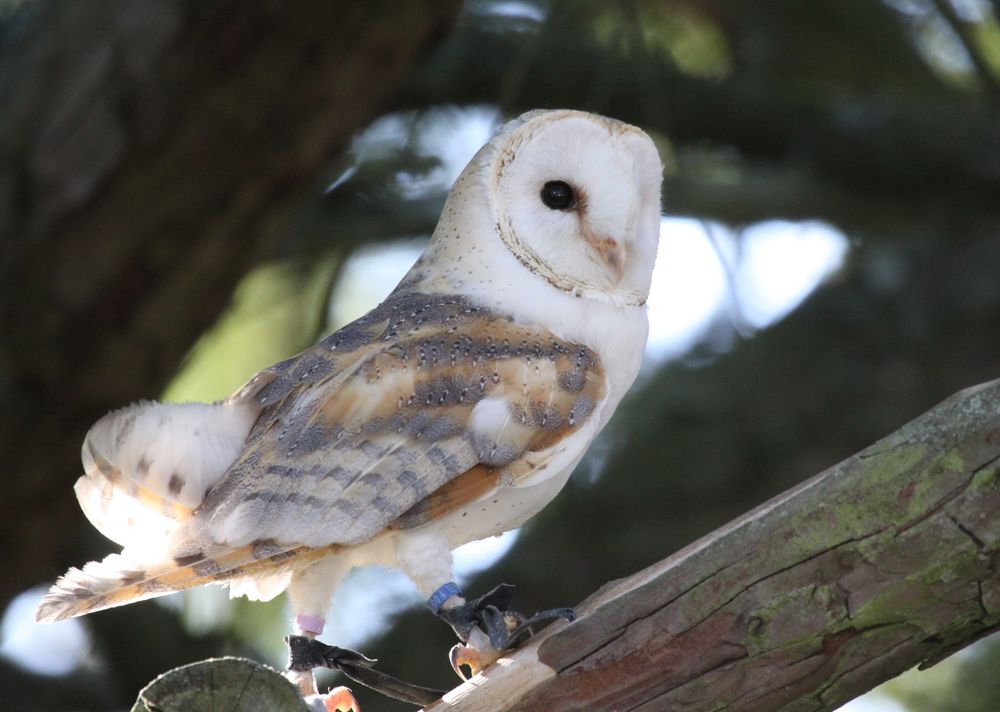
{"x": 879, "y": 118}
{"x": 693, "y": 42}
{"x": 277, "y": 310}
{"x": 966, "y": 682}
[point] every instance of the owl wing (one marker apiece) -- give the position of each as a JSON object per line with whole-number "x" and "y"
{"x": 423, "y": 402}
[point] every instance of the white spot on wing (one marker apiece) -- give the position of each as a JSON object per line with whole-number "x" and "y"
{"x": 489, "y": 417}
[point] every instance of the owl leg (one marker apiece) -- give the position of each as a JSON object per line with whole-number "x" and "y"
{"x": 486, "y": 626}
{"x": 425, "y": 557}
{"x": 476, "y": 650}
{"x": 310, "y": 592}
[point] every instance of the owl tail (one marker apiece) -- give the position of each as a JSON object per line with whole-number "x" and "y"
{"x": 118, "y": 580}
{"x": 149, "y": 465}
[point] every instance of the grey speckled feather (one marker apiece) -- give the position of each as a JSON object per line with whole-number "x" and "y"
{"x": 374, "y": 419}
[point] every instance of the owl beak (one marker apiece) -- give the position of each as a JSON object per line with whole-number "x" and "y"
{"x": 611, "y": 251}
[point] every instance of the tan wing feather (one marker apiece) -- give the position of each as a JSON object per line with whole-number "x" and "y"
{"x": 117, "y": 581}
{"x": 374, "y": 420}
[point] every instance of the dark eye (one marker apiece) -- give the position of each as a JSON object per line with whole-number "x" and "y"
{"x": 558, "y": 195}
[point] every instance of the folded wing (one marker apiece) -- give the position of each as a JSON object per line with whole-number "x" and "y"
{"x": 435, "y": 388}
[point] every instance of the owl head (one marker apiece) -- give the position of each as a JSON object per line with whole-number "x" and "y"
{"x": 573, "y": 197}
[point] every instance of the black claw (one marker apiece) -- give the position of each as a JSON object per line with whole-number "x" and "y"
{"x": 305, "y": 654}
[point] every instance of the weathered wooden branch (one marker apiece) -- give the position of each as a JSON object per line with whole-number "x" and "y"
{"x": 885, "y": 561}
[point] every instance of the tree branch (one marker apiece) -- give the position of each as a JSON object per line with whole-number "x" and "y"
{"x": 885, "y": 561}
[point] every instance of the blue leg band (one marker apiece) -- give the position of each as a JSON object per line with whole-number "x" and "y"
{"x": 438, "y": 598}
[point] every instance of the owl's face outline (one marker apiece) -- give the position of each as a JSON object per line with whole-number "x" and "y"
{"x": 576, "y": 199}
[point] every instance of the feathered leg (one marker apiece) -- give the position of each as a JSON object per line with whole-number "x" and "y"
{"x": 486, "y": 626}
{"x": 310, "y": 592}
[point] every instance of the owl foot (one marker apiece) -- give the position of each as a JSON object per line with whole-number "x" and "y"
{"x": 486, "y": 625}
{"x": 470, "y": 658}
{"x": 305, "y": 653}
{"x": 339, "y": 699}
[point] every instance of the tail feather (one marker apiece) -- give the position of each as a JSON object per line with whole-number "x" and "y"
{"x": 149, "y": 465}
{"x": 118, "y": 580}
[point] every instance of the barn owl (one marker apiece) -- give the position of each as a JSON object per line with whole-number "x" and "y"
{"x": 452, "y": 412}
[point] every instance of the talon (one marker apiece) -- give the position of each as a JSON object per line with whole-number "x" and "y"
{"x": 477, "y": 655}
{"x": 464, "y": 661}
{"x": 340, "y": 699}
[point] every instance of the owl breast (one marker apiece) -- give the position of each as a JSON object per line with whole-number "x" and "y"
{"x": 519, "y": 495}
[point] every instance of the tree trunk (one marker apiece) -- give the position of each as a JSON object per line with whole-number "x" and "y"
{"x": 231, "y": 684}
{"x": 146, "y": 165}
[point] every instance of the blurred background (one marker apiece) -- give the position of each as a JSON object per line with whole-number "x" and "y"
{"x": 191, "y": 190}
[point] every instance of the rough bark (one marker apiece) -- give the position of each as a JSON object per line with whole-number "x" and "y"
{"x": 152, "y": 152}
{"x": 885, "y": 561}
